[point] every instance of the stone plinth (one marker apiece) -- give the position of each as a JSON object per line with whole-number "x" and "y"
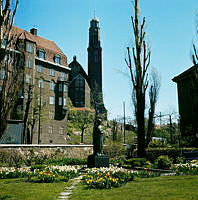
{"x": 98, "y": 161}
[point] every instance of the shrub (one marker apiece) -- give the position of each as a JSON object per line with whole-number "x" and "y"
{"x": 120, "y": 161}
{"x": 136, "y": 162}
{"x": 153, "y": 153}
{"x": 38, "y": 167}
{"x": 163, "y": 162}
{"x": 157, "y": 144}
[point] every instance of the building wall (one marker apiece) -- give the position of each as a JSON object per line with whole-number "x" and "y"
{"x": 53, "y": 117}
{"x": 188, "y": 105}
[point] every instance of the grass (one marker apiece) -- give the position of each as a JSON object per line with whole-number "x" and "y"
{"x": 19, "y": 189}
{"x": 160, "y": 188}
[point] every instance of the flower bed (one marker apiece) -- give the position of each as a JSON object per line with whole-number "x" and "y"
{"x": 190, "y": 168}
{"x": 106, "y": 178}
{"x": 46, "y": 175}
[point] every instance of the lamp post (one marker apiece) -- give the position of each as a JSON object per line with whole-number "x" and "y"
{"x": 124, "y": 120}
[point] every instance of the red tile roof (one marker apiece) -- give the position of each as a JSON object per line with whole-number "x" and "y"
{"x": 50, "y": 47}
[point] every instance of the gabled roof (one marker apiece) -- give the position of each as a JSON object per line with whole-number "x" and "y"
{"x": 82, "y": 72}
{"x": 186, "y": 74}
{"x": 40, "y": 41}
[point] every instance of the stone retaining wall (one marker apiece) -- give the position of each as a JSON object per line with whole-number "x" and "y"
{"x": 66, "y": 151}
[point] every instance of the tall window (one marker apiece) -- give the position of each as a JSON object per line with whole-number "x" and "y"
{"x": 60, "y": 101}
{"x": 28, "y": 78}
{"x": 39, "y": 68}
{"x": 41, "y": 83}
{"x": 5, "y": 41}
{"x": 60, "y": 87}
{"x": 63, "y": 76}
{"x": 61, "y": 131}
{"x": 42, "y": 54}
{"x": 50, "y": 129}
{"x": 52, "y": 85}
{"x": 51, "y": 114}
{"x": 57, "y": 59}
{"x": 20, "y": 93}
{"x": 51, "y": 100}
{"x": 30, "y": 47}
{"x": 30, "y": 63}
{"x": 2, "y": 74}
{"x": 52, "y": 72}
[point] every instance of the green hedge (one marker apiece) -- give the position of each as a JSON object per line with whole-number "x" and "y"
{"x": 153, "y": 153}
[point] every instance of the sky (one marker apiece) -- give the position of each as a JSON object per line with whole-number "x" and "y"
{"x": 170, "y": 33}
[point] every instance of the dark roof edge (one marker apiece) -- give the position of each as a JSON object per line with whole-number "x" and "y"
{"x": 184, "y": 74}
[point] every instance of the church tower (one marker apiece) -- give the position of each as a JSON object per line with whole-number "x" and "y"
{"x": 95, "y": 64}
{"x": 95, "y": 56}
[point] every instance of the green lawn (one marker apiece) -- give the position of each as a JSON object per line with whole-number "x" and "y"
{"x": 18, "y": 189}
{"x": 160, "y": 188}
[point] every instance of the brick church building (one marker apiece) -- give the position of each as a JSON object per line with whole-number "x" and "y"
{"x": 86, "y": 90}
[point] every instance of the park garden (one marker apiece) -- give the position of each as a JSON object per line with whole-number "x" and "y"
{"x": 42, "y": 177}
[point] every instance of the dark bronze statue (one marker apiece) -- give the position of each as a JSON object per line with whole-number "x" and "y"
{"x": 98, "y": 138}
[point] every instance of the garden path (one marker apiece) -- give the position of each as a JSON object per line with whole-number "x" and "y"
{"x": 68, "y": 190}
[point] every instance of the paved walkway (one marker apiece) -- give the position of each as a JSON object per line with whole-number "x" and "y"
{"x": 68, "y": 190}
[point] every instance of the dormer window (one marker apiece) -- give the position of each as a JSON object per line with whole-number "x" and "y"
{"x": 57, "y": 59}
{"x": 42, "y": 54}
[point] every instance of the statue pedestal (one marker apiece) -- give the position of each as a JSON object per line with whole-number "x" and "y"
{"x": 97, "y": 161}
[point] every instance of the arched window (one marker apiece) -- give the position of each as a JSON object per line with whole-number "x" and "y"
{"x": 41, "y": 54}
{"x": 52, "y": 85}
{"x": 57, "y": 59}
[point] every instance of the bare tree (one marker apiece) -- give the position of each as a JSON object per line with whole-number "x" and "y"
{"x": 153, "y": 95}
{"x": 10, "y": 68}
{"x": 140, "y": 54}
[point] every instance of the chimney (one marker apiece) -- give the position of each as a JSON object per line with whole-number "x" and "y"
{"x": 33, "y": 31}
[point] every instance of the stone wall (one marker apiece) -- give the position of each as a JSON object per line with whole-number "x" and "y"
{"x": 66, "y": 151}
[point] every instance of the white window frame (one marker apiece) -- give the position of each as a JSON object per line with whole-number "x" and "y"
{"x": 41, "y": 83}
{"x": 61, "y": 130}
{"x": 52, "y": 72}
{"x": 51, "y": 100}
{"x": 51, "y": 114}
{"x": 50, "y": 129}
{"x": 52, "y": 85}
{"x": 28, "y": 78}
